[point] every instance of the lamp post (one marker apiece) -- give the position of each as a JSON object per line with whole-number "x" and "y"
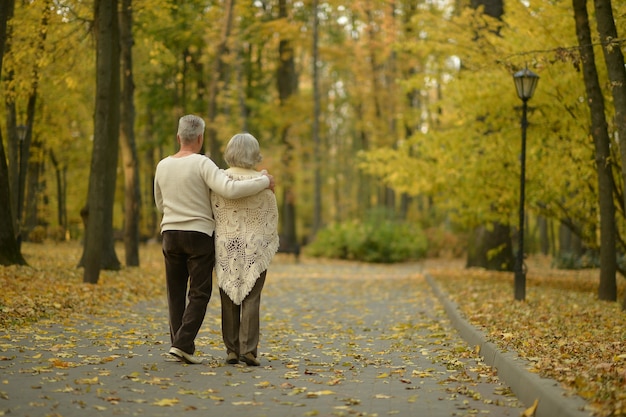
{"x": 525, "y": 83}
{"x": 21, "y": 175}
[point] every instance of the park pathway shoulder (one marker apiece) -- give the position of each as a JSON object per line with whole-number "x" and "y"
{"x": 553, "y": 401}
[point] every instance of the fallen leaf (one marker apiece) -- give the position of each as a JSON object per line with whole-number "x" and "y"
{"x": 87, "y": 381}
{"x": 319, "y": 393}
{"x": 530, "y": 411}
{"x": 166, "y": 402}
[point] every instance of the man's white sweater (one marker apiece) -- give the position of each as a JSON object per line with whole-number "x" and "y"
{"x": 183, "y": 187}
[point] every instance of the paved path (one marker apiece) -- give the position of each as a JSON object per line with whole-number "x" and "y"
{"x": 337, "y": 340}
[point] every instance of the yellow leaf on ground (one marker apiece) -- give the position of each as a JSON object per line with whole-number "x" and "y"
{"x": 166, "y": 402}
{"x": 87, "y": 381}
{"x": 319, "y": 393}
{"x": 530, "y": 411}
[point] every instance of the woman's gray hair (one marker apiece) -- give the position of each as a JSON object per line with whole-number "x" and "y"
{"x": 190, "y": 127}
{"x": 243, "y": 151}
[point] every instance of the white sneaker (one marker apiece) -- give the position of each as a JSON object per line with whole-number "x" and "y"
{"x": 184, "y": 356}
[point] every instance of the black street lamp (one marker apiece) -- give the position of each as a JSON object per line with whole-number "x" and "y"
{"x": 525, "y": 83}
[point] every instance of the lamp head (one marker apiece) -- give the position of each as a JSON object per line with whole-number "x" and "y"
{"x": 525, "y": 83}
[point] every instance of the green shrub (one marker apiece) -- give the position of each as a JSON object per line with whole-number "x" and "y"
{"x": 374, "y": 240}
{"x": 444, "y": 243}
{"x": 570, "y": 260}
{"x": 57, "y": 234}
{"x": 37, "y": 234}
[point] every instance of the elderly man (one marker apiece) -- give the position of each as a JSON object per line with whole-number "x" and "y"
{"x": 183, "y": 185}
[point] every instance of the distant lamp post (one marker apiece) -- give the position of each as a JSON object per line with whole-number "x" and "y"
{"x": 525, "y": 83}
{"x": 21, "y": 173}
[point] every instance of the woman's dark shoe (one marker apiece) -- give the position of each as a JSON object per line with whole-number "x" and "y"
{"x": 250, "y": 360}
{"x": 232, "y": 358}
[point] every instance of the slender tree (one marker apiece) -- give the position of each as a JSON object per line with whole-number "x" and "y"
{"x": 217, "y": 75}
{"x": 132, "y": 196}
{"x": 607, "y": 289}
{"x": 317, "y": 157}
{"x": 30, "y": 144}
{"x": 287, "y": 87}
{"x": 60, "y": 172}
{"x": 9, "y": 249}
{"x": 614, "y": 59}
{"x": 490, "y": 246}
{"x": 99, "y": 251}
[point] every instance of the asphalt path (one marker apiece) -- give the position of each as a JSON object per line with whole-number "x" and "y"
{"x": 337, "y": 339}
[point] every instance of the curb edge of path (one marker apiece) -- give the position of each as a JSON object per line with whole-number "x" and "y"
{"x": 526, "y": 385}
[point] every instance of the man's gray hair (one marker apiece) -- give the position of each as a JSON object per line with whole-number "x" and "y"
{"x": 243, "y": 151}
{"x": 190, "y": 127}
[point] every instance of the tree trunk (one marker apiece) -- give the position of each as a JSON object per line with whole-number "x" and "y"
{"x": 614, "y": 59}
{"x": 9, "y": 249}
{"x": 34, "y": 188}
{"x": 61, "y": 186}
{"x": 607, "y": 289}
{"x": 216, "y": 75}
{"x": 149, "y": 160}
{"x": 26, "y": 169}
{"x": 570, "y": 244}
{"x": 493, "y": 8}
{"x": 491, "y": 249}
{"x": 317, "y": 158}
{"x": 99, "y": 251}
{"x": 132, "y": 197}
{"x": 544, "y": 236}
{"x": 287, "y": 86}
{"x": 18, "y": 143}
{"x": 361, "y": 143}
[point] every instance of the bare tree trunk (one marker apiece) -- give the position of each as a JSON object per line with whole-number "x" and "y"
{"x": 61, "y": 185}
{"x": 20, "y": 138}
{"x": 99, "y": 251}
{"x": 317, "y": 158}
{"x": 16, "y": 152}
{"x": 544, "y": 237}
{"x": 491, "y": 248}
{"x": 570, "y": 244}
{"x": 34, "y": 188}
{"x": 132, "y": 197}
{"x": 216, "y": 76}
{"x": 9, "y": 249}
{"x": 287, "y": 86}
{"x": 150, "y": 161}
{"x": 361, "y": 143}
{"x": 614, "y": 59}
{"x": 607, "y": 289}
{"x": 490, "y": 245}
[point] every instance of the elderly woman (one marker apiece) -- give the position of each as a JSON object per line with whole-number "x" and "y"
{"x": 246, "y": 240}
{"x": 183, "y": 184}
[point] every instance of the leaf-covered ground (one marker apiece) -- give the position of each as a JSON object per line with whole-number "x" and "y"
{"x": 562, "y": 328}
{"x": 338, "y": 339}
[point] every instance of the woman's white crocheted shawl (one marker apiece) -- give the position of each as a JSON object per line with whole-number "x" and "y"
{"x": 246, "y": 239}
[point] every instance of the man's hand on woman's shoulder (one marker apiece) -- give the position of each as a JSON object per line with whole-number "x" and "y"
{"x": 271, "y": 178}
